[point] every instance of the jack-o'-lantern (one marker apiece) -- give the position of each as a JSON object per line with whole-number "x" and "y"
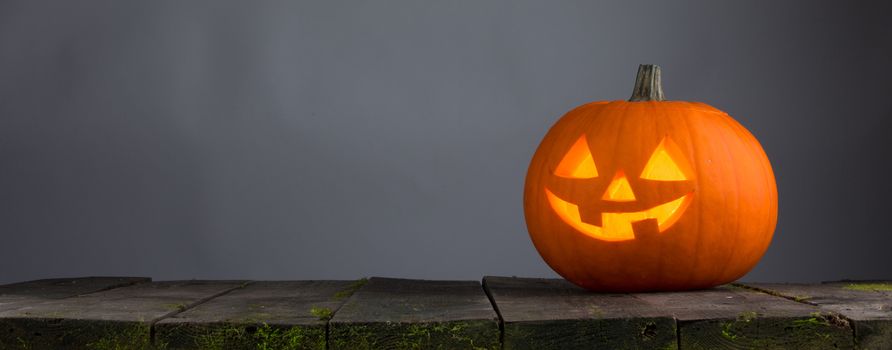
{"x": 649, "y": 194}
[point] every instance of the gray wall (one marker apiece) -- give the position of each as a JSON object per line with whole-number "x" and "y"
{"x": 299, "y": 140}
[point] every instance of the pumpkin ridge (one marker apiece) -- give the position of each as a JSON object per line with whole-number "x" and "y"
{"x": 695, "y": 156}
{"x": 662, "y": 265}
{"x": 730, "y": 256}
{"x": 768, "y": 180}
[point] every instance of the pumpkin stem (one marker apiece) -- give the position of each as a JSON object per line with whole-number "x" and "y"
{"x": 647, "y": 84}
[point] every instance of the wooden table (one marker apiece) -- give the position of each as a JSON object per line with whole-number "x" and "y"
{"x": 389, "y": 313}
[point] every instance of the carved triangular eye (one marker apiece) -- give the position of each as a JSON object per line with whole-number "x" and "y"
{"x": 578, "y": 162}
{"x": 661, "y": 166}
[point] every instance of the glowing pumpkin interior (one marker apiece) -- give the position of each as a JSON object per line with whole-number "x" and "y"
{"x": 578, "y": 163}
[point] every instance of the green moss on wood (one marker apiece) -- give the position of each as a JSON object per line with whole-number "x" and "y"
{"x": 219, "y": 338}
{"x": 869, "y": 287}
{"x": 808, "y": 322}
{"x": 594, "y": 333}
{"x": 751, "y": 330}
{"x": 176, "y": 306}
{"x": 420, "y": 336}
{"x": 595, "y": 311}
{"x": 446, "y": 335}
{"x": 268, "y": 338}
{"x": 747, "y": 316}
{"x": 353, "y": 337}
{"x": 648, "y": 331}
{"x": 801, "y": 298}
{"x": 730, "y": 330}
{"x": 264, "y": 337}
{"x": 323, "y": 313}
{"x": 819, "y": 326}
{"x": 352, "y": 288}
{"x": 136, "y": 337}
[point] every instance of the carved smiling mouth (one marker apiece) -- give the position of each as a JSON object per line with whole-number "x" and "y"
{"x": 619, "y": 226}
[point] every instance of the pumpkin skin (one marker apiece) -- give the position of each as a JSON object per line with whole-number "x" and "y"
{"x": 722, "y": 198}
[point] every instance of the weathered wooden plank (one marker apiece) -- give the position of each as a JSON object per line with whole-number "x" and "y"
{"x": 116, "y": 318}
{"x": 390, "y": 313}
{"x": 58, "y": 288}
{"x": 20, "y": 294}
{"x": 555, "y": 314}
{"x": 867, "y": 305}
{"x": 728, "y": 317}
{"x": 266, "y": 315}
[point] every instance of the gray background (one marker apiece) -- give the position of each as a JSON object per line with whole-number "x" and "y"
{"x": 298, "y": 140}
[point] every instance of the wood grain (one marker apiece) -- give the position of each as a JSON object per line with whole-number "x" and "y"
{"x": 555, "y": 314}
{"x": 728, "y": 317}
{"x": 390, "y": 313}
{"x": 288, "y": 314}
{"x": 20, "y": 294}
{"x": 866, "y": 305}
{"x": 116, "y": 318}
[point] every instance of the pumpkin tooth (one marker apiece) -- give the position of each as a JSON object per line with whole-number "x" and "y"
{"x": 646, "y": 228}
{"x": 616, "y": 227}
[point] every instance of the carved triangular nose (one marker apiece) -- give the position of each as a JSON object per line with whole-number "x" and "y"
{"x": 619, "y": 189}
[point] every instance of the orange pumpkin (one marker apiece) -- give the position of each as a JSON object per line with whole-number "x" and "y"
{"x": 650, "y": 195}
